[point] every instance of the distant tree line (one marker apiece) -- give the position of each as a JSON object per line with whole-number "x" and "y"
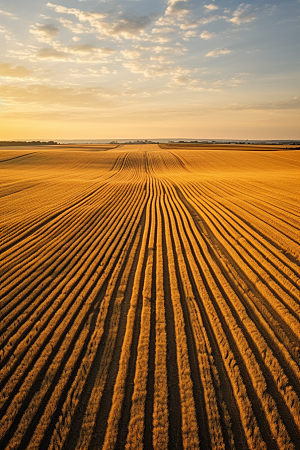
{"x": 13, "y": 143}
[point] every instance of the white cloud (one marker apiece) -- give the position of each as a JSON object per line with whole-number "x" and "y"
{"x": 87, "y": 49}
{"x": 188, "y": 25}
{"x": 149, "y": 71}
{"x": 78, "y": 52}
{"x": 139, "y": 60}
{"x": 231, "y": 82}
{"x": 166, "y": 21}
{"x": 126, "y": 26}
{"x": 6, "y": 13}
{"x": 44, "y": 32}
{"x": 95, "y": 73}
{"x": 162, "y": 59}
{"x": 155, "y": 38}
{"x": 243, "y": 14}
{"x": 131, "y": 54}
{"x": 77, "y": 28}
{"x": 83, "y": 16}
{"x": 207, "y": 35}
{"x": 210, "y": 19}
{"x": 215, "y": 53}
{"x": 23, "y": 53}
{"x": 76, "y": 38}
{"x": 158, "y": 49}
{"x": 211, "y": 7}
{"x": 182, "y": 80}
{"x": 103, "y": 71}
{"x": 177, "y": 8}
{"x": 189, "y": 34}
{"x": 162, "y": 30}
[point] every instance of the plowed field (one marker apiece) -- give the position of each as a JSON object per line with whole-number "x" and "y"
{"x": 150, "y": 298}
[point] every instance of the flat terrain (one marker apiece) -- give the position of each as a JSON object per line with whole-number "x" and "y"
{"x": 150, "y": 298}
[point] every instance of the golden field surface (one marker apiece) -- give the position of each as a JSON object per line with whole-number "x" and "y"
{"x": 150, "y": 298}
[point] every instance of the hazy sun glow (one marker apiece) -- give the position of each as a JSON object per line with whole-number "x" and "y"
{"x": 139, "y": 69}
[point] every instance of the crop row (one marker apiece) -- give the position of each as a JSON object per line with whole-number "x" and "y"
{"x": 156, "y": 305}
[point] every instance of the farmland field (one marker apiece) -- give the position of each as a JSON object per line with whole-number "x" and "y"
{"x": 150, "y": 298}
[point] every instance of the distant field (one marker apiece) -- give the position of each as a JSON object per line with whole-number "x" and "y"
{"x": 150, "y": 297}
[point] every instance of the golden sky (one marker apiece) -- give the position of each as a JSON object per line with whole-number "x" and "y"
{"x": 139, "y": 69}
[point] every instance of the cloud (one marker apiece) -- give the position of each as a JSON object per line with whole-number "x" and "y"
{"x": 83, "y": 16}
{"x": 44, "y": 32}
{"x": 149, "y": 71}
{"x": 77, "y": 28}
{"x": 211, "y": 7}
{"x": 89, "y": 73}
{"x": 189, "y": 34}
{"x": 52, "y": 54}
{"x": 10, "y": 71}
{"x": 291, "y": 104}
{"x": 131, "y": 54}
{"x": 6, "y": 13}
{"x": 88, "y": 49}
{"x": 207, "y": 35}
{"x": 188, "y": 25}
{"x": 156, "y": 71}
{"x": 166, "y": 21}
{"x": 230, "y": 82}
{"x": 152, "y": 61}
{"x": 183, "y": 80}
{"x": 126, "y": 26}
{"x": 159, "y": 49}
{"x": 215, "y": 53}
{"x": 45, "y": 95}
{"x": 140, "y": 60}
{"x": 243, "y": 14}
{"x": 23, "y": 53}
{"x": 177, "y": 8}
{"x": 270, "y": 9}
{"x": 162, "y": 59}
{"x": 210, "y": 19}
{"x": 180, "y": 80}
{"x": 76, "y": 52}
{"x": 103, "y": 71}
{"x": 163, "y": 30}
{"x": 155, "y": 38}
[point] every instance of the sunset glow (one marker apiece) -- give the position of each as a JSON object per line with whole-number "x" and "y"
{"x": 81, "y": 69}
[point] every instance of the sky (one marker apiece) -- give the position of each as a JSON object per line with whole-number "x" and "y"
{"x": 136, "y": 69}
